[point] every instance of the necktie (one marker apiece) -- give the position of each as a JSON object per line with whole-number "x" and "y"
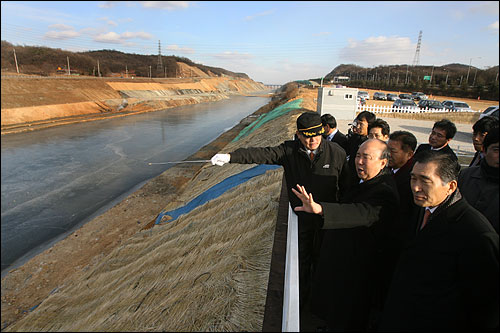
{"x": 311, "y": 155}
{"x": 426, "y": 218}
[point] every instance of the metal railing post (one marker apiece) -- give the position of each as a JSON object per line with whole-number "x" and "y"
{"x": 291, "y": 311}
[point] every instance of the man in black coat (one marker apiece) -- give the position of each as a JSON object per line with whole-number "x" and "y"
{"x": 353, "y": 260}
{"x": 480, "y": 184}
{"x": 447, "y": 275}
{"x": 479, "y": 131}
{"x": 402, "y": 146}
{"x": 356, "y": 136}
{"x": 442, "y": 133}
{"x": 319, "y": 164}
{"x": 332, "y": 133}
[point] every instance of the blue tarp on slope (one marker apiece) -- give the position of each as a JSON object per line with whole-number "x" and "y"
{"x": 217, "y": 190}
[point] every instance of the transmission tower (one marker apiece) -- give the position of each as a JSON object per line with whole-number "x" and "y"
{"x": 159, "y": 66}
{"x": 416, "y": 59}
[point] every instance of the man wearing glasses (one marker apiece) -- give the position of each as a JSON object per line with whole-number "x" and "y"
{"x": 356, "y": 136}
{"x": 442, "y": 133}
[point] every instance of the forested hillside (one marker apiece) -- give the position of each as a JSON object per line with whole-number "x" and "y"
{"x": 452, "y": 80}
{"x": 39, "y": 60}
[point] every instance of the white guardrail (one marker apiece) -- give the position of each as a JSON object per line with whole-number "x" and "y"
{"x": 291, "y": 311}
{"x": 390, "y": 109}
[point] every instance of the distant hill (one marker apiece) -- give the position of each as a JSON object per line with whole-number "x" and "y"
{"x": 450, "y": 79}
{"x": 454, "y": 72}
{"x": 49, "y": 61}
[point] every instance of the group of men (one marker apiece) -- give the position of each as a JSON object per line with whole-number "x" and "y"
{"x": 391, "y": 237}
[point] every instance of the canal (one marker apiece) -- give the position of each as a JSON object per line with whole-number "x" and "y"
{"x": 54, "y": 180}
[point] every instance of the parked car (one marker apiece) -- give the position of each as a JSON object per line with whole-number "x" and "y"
{"x": 361, "y": 101}
{"x": 491, "y": 111}
{"x": 379, "y": 95}
{"x": 430, "y": 104}
{"x": 418, "y": 96}
{"x": 364, "y": 94}
{"x": 405, "y": 96}
{"x": 404, "y": 105}
{"x": 392, "y": 97}
{"x": 457, "y": 106}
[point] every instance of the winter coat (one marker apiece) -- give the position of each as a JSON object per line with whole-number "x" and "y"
{"x": 353, "y": 260}
{"x": 325, "y": 177}
{"x": 479, "y": 186}
{"x": 445, "y": 150}
{"x": 447, "y": 274}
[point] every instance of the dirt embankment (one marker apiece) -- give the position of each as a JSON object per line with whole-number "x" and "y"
{"x": 34, "y": 103}
{"x": 24, "y": 288}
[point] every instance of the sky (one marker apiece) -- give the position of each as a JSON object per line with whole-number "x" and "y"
{"x": 273, "y": 42}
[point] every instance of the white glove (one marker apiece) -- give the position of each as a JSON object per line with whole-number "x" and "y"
{"x": 220, "y": 159}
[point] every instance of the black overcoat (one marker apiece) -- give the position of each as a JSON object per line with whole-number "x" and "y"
{"x": 447, "y": 274}
{"x": 325, "y": 177}
{"x": 445, "y": 150}
{"x": 352, "y": 261}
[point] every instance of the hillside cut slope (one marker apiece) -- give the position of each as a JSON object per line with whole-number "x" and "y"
{"x": 43, "y": 102}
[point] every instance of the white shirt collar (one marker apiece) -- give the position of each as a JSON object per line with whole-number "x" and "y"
{"x": 331, "y": 135}
{"x": 431, "y": 209}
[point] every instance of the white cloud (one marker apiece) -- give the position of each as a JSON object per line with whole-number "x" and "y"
{"x": 168, "y": 5}
{"x": 232, "y": 56}
{"x": 177, "y": 49}
{"x": 61, "y": 32}
{"x": 139, "y": 34}
{"x": 107, "y": 4}
{"x": 109, "y": 37}
{"x": 253, "y": 17}
{"x": 114, "y": 38}
{"x": 232, "y": 60}
{"x": 108, "y": 21}
{"x": 378, "y": 51}
{"x": 60, "y": 27}
{"x": 66, "y": 34}
{"x": 493, "y": 27}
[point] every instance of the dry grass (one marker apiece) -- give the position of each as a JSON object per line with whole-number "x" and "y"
{"x": 206, "y": 271}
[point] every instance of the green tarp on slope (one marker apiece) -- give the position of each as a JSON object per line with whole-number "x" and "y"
{"x": 264, "y": 118}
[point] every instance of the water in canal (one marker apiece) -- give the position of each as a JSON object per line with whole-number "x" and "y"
{"x": 56, "y": 179}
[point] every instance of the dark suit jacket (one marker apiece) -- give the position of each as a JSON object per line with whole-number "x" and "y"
{"x": 352, "y": 258}
{"x": 447, "y": 276}
{"x": 479, "y": 186}
{"x": 407, "y": 205}
{"x": 446, "y": 150}
{"x": 341, "y": 139}
{"x": 325, "y": 177}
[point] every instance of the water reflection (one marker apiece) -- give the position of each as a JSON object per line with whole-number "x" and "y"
{"x": 54, "y": 179}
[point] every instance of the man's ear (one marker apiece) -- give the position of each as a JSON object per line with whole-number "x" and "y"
{"x": 452, "y": 186}
{"x": 384, "y": 162}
